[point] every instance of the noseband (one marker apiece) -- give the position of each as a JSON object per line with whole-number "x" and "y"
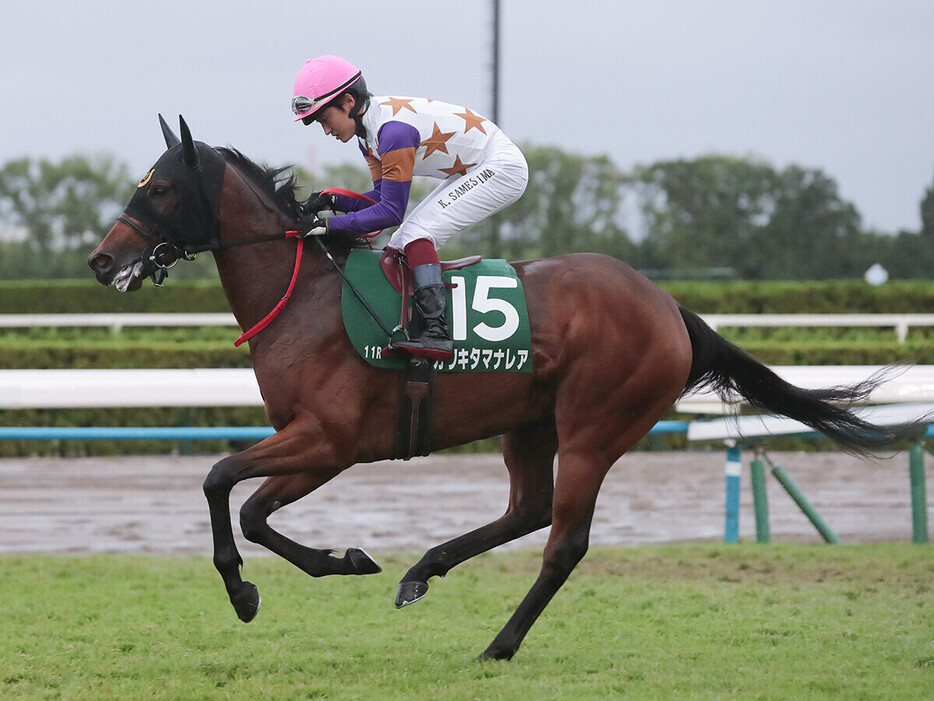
{"x": 157, "y": 251}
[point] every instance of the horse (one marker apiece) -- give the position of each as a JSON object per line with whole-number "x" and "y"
{"x": 611, "y": 354}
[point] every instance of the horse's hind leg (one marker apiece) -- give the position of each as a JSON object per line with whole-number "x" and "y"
{"x": 579, "y": 479}
{"x": 277, "y": 492}
{"x": 588, "y": 451}
{"x": 529, "y": 454}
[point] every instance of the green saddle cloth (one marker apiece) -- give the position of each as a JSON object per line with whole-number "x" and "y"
{"x": 486, "y": 313}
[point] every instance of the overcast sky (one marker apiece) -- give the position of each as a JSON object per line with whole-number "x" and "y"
{"x": 841, "y": 85}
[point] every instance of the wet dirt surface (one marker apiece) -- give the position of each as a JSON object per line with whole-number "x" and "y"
{"x": 154, "y": 504}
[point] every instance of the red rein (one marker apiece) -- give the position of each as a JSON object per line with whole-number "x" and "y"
{"x": 268, "y": 319}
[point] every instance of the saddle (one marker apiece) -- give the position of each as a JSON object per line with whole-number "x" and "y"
{"x": 413, "y": 431}
{"x": 397, "y": 271}
{"x": 399, "y": 275}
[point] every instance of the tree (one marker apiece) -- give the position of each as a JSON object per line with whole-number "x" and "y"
{"x": 718, "y": 211}
{"x": 572, "y": 203}
{"x": 811, "y": 233}
{"x": 66, "y": 204}
{"x": 927, "y": 215}
{"x": 704, "y": 213}
{"x": 911, "y": 254}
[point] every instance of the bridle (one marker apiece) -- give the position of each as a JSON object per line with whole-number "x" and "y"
{"x": 159, "y": 246}
{"x": 157, "y": 250}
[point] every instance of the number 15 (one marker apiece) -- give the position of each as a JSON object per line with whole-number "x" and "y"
{"x": 483, "y": 303}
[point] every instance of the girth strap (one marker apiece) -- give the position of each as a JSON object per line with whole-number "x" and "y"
{"x": 414, "y": 428}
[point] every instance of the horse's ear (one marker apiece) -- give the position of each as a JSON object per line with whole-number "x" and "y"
{"x": 170, "y": 138}
{"x": 189, "y": 153}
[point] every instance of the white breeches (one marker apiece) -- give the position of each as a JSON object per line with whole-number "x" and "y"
{"x": 462, "y": 200}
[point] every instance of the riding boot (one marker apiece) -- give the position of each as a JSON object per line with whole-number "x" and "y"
{"x": 428, "y": 337}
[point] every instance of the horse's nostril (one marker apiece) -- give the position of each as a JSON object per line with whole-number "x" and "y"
{"x": 100, "y": 262}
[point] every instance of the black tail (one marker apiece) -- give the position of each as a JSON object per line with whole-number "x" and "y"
{"x": 726, "y": 369}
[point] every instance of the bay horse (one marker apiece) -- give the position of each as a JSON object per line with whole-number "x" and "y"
{"x": 611, "y": 354}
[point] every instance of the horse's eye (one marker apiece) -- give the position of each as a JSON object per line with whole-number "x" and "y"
{"x": 158, "y": 191}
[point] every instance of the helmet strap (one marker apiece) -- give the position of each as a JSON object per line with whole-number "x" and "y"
{"x": 359, "y": 109}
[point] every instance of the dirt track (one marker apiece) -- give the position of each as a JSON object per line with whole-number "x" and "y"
{"x": 155, "y": 504}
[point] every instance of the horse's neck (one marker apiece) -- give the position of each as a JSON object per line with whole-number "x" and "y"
{"x": 256, "y": 276}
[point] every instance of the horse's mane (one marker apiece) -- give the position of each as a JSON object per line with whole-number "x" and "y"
{"x": 282, "y": 192}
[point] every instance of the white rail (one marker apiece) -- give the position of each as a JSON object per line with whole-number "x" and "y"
{"x": 60, "y": 389}
{"x": 913, "y": 383}
{"x": 900, "y": 322}
{"x": 71, "y": 389}
{"x": 738, "y": 427}
{"x": 116, "y": 322}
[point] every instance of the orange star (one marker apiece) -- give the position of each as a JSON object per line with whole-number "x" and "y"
{"x": 437, "y": 141}
{"x": 472, "y": 120}
{"x": 399, "y": 103}
{"x": 458, "y": 168}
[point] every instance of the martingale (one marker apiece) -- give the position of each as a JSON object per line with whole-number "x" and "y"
{"x": 487, "y": 316}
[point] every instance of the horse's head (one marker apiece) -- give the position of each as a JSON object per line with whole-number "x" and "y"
{"x": 173, "y": 214}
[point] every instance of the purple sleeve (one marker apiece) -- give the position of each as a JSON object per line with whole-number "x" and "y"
{"x": 352, "y": 204}
{"x": 388, "y": 211}
{"x": 392, "y": 195}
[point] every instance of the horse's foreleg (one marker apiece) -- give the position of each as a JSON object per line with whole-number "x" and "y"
{"x": 243, "y": 595}
{"x": 529, "y": 454}
{"x": 290, "y": 452}
{"x": 280, "y": 491}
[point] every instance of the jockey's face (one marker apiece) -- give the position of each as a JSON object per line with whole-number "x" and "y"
{"x": 336, "y": 120}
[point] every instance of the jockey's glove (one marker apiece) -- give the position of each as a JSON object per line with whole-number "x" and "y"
{"x": 319, "y": 201}
{"x": 316, "y": 227}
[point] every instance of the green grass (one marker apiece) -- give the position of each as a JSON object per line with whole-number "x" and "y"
{"x": 672, "y": 622}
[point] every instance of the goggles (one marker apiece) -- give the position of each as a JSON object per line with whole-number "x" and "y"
{"x": 302, "y": 105}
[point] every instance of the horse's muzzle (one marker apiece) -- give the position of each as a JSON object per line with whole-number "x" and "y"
{"x": 126, "y": 274}
{"x": 102, "y": 264}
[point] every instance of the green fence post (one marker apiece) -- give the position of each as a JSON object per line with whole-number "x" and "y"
{"x": 186, "y": 418}
{"x": 785, "y": 480}
{"x": 919, "y": 501}
{"x": 760, "y": 499}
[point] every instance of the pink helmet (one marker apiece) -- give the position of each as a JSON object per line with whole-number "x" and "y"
{"x": 321, "y": 80}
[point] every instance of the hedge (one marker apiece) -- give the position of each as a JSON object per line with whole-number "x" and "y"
{"x": 155, "y": 355}
{"x": 705, "y": 297}
{"x": 131, "y": 356}
{"x": 819, "y": 297}
{"x": 89, "y": 297}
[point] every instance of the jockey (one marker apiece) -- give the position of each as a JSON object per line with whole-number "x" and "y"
{"x": 480, "y": 169}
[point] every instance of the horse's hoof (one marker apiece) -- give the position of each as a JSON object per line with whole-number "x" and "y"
{"x": 410, "y": 592}
{"x": 362, "y": 562}
{"x": 494, "y": 652}
{"x": 247, "y": 602}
